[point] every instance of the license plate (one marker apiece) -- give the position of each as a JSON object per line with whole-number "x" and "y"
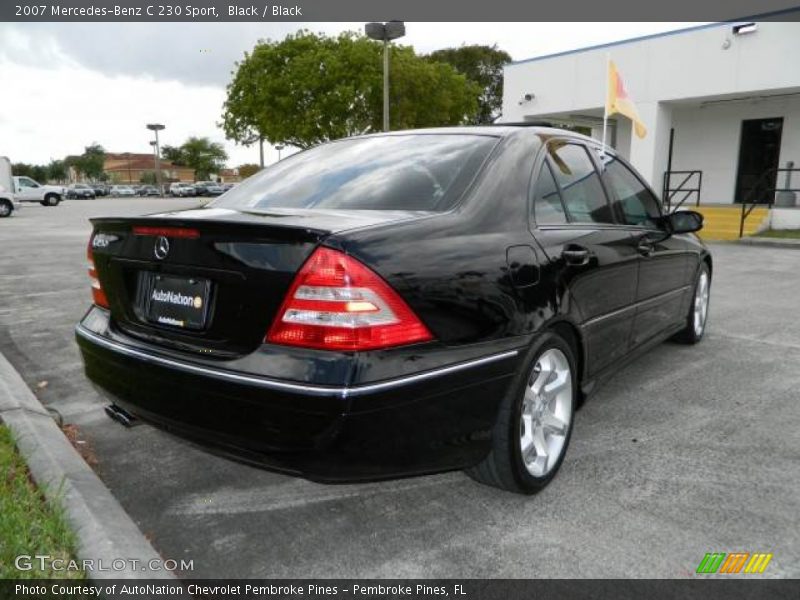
{"x": 177, "y": 301}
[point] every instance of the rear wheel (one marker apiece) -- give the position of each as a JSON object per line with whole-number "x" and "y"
{"x": 534, "y": 426}
{"x": 6, "y": 208}
{"x": 698, "y": 309}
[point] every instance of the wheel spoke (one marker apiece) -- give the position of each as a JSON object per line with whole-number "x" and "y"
{"x": 553, "y": 424}
{"x": 541, "y": 445}
{"x": 558, "y": 384}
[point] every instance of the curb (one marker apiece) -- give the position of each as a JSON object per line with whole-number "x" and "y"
{"x": 104, "y": 530}
{"x": 771, "y": 242}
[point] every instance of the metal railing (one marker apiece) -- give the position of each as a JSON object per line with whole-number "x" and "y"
{"x": 763, "y": 192}
{"x": 689, "y": 185}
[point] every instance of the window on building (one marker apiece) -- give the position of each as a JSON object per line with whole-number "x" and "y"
{"x": 582, "y": 193}
{"x": 547, "y": 205}
{"x": 634, "y": 202}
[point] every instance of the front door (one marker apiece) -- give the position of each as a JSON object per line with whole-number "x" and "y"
{"x": 592, "y": 255}
{"x": 759, "y": 152}
{"x": 27, "y": 189}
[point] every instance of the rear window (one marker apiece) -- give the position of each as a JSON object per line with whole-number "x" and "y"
{"x": 404, "y": 172}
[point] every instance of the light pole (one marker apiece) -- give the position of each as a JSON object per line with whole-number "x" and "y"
{"x": 385, "y": 32}
{"x": 156, "y": 127}
{"x": 279, "y": 147}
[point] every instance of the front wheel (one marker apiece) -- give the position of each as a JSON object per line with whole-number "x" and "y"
{"x": 51, "y": 200}
{"x": 534, "y": 425}
{"x": 698, "y": 309}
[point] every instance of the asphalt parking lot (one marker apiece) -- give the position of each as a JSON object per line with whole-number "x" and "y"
{"x": 689, "y": 450}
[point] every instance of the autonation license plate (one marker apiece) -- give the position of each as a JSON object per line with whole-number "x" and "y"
{"x": 177, "y": 301}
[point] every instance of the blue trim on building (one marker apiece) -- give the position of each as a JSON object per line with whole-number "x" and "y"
{"x": 654, "y": 35}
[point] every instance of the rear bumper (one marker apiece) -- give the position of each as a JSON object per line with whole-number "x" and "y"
{"x": 423, "y": 422}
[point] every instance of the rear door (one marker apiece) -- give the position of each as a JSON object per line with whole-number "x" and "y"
{"x": 663, "y": 267}
{"x": 591, "y": 256}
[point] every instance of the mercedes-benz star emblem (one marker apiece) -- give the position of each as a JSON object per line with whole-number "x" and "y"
{"x": 161, "y": 249}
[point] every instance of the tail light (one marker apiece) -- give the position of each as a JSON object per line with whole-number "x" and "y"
{"x": 98, "y": 295}
{"x": 337, "y": 303}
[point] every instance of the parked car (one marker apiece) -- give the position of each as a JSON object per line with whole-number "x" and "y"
{"x": 28, "y": 190}
{"x": 182, "y": 189}
{"x": 208, "y": 188}
{"x": 396, "y": 304}
{"x": 7, "y": 202}
{"x": 227, "y": 186}
{"x": 99, "y": 190}
{"x": 122, "y": 191}
{"x": 148, "y": 190}
{"x": 80, "y": 190}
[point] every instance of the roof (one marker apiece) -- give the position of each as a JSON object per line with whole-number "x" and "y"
{"x": 642, "y": 38}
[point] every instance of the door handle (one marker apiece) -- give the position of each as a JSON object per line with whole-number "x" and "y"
{"x": 645, "y": 248}
{"x": 576, "y": 255}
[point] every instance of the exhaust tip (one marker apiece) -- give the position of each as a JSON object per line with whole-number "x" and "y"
{"x": 121, "y": 416}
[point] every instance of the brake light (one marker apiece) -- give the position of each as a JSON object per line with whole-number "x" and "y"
{"x": 337, "y": 303}
{"x": 170, "y": 232}
{"x": 98, "y": 295}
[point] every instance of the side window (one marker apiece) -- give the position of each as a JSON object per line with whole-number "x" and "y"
{"x": 547, "y": 206}
{"x": 25, "y": 182}
{"x": 635, "y": 204}
{"x": 583, "y": 194}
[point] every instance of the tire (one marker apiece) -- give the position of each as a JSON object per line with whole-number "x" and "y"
{"x": 697, "y": 319}
{"x": 6, "y": 208}
{"x": 531, "y": 421}
{"x": 51, "y": 200}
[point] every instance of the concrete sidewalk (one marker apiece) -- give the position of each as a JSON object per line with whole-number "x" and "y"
{"x": 106, "y": 534}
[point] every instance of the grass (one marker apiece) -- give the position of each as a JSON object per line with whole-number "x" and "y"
{"x": 29, "y": 525}
{"x": 793, "y": 234}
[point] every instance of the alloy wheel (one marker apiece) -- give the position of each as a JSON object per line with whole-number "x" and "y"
{"x": 546, "y": 413}
{"x": 701, "y": 304}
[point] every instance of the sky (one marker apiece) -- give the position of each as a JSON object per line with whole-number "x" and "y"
{"x": 67, "y": 85}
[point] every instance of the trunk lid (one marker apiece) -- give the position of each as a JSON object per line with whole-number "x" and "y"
{"x": 216, "y": 284}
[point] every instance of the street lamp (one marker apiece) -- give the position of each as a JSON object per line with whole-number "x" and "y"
{"x": 156, "y": 127}
{"x": 279, "y": 147}
{"x": 385, "y": 32}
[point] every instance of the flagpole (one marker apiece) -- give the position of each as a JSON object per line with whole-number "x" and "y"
{"x": 605, "y": 105}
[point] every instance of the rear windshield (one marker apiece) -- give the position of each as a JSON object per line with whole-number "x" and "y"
{"x": 404, "y": 172}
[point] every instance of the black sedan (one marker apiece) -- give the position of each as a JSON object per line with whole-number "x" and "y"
{"x": 395, "y": 304}
{"x": 80, "y": 190}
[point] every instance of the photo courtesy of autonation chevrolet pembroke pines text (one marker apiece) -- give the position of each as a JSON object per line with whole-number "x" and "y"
{"x": 374, "y": 299}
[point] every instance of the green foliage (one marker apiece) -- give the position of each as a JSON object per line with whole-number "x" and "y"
{"x": 148, "y": 178}
{"x": 248, "y": 169}
{"x": 204, "y": 156}
{"x": 310, "y": 88}
{"x": 173, "y": 154}
{"x": 57, "y": 171}
{"x": 483, "y": 65}
{"x": 28, "y": 524}
{"x": 36, "y": 172}
{"x": 89, "y": 165}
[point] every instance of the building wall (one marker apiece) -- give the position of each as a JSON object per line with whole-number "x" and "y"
{"x": 669, "y": 77}
{"x": 708, "y": 139}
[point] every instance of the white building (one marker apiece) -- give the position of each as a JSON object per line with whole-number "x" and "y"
{"x": 730, "y": 93}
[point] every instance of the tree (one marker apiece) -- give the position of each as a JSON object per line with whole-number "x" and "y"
{"x": 91, "y": 162}
{"x": 57, "y": 171}
{"x": 173, "y": 154}
{"x": 204, "y": 156}
{"x": 482, "y": 65}
{"x": 248, "y": 169}
{"x": 148, "y": 178}
{"x": 310, "y": 88}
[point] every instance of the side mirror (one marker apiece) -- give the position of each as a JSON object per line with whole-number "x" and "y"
{"x": 684, "y": 221}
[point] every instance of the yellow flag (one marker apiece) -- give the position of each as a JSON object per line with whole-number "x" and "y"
{"x": 618, "y": 100}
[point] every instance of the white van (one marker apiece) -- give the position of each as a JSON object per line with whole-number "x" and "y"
{"x": 7, "y": 203}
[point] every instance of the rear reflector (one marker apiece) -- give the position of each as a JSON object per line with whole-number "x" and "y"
{"x": 337, "y": 303}
{"x": 171, "y": 232}
{"x": 98, "y": 295}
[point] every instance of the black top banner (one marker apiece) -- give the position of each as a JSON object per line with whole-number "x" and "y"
{"x": 384, "y": 10}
